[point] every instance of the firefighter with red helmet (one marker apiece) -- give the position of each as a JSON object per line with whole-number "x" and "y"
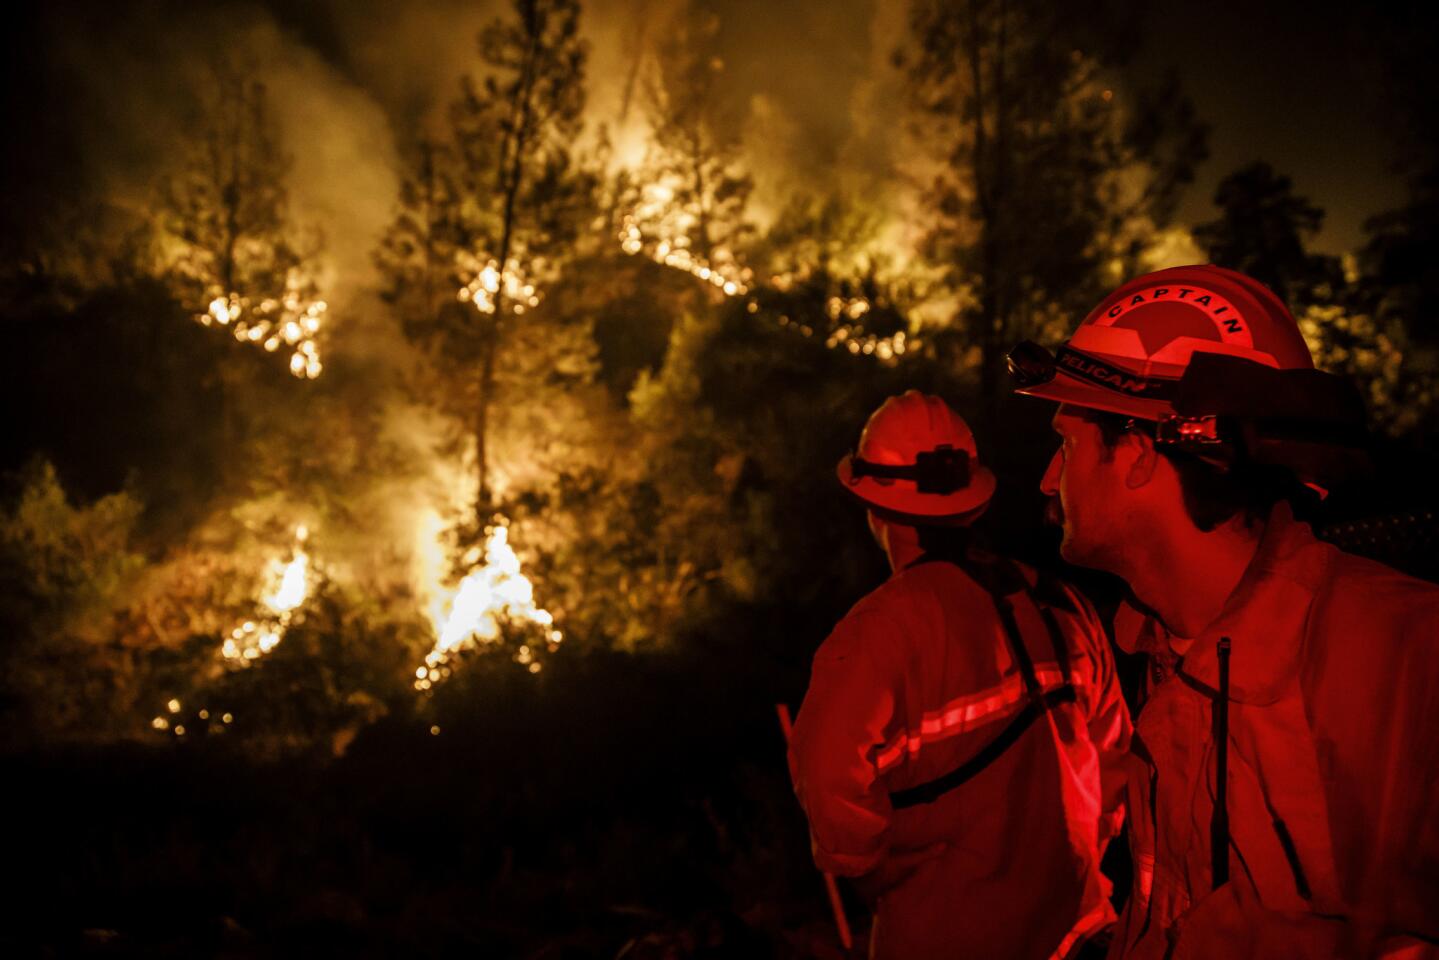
{"x": 1284, "y": 791}
{"x": 951, "y": 746}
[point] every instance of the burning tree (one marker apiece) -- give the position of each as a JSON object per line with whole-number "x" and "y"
{"x": 488, "y": 216}
{"x": 479, "y": 270}
{"x": 1044, "y": 181}
{"x": 238, "y": 259}
{"x": 686, "y": 202}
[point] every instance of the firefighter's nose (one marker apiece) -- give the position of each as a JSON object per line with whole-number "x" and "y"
{"x": 1049, "y": 485}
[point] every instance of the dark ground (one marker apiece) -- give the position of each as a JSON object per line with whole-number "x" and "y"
{"x": 619, "y": 804}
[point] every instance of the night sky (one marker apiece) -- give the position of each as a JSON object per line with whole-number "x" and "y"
{"x": 1296, "y": 84}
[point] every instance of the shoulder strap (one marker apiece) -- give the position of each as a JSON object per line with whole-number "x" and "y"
{"x": 1017, "y": 648}
{"x": 1002, "y": 578}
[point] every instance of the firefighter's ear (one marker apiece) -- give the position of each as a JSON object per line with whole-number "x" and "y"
{"x": 1143, "y": 459}
{"x": 876, "y": 529}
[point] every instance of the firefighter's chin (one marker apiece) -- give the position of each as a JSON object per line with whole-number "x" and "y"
{"x": 1078, "y": 545}
{"x": 1054, "y": 514}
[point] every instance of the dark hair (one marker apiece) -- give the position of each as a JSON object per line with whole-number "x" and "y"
{"x": 944, "y": 541}
{"x": 1213, "y": 493}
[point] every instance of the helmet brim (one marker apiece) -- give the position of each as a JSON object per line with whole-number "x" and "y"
{"x": 900, "y": 498}
{"x": 1066, "y": 389}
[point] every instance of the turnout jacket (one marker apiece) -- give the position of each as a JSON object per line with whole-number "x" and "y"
{"x": 1333, "y": 766}
{"x": 916, "y": 680}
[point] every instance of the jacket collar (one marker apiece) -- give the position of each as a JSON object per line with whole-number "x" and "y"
{"x": 1264, "y": 617}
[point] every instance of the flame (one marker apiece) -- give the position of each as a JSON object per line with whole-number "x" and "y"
{"x": 486, "y": 279}
{"x": 727, "y": 277}
{"x": 291, "y": 589}
{"x": 849, "y": 332}
{"x": 288, "y": 587}
{"x": 662, "y": 227}
{"x": 293, "y": 320}
{"x": 472, "y": 613}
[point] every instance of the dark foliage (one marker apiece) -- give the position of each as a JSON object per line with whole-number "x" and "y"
{"x": 123, "y": 388}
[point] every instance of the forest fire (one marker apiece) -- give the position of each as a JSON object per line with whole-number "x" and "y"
{"x": 845, "y": 313}
{"x": 676, "y": 253}
{"x": 550, "y": 320}
{"x": 288, "y": 588}
{"x": 850, "y": 334}
{"x": 289, "y": 321}
{"x": 483, "y": 290}
{"x": 471, "y": 614}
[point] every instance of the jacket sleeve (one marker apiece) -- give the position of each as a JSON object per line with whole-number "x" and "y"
{"x": 840, "y": 727}
{"x": 1109, "y": 723}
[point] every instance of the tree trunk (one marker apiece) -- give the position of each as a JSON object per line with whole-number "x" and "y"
{"x": 985, "y": 193}
{"x": 490, "y": 345}
{"x": 229, "y": 182}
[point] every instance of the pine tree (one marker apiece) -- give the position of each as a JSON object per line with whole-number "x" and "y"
{"x": 1263, "y": 230}
{"x": 1047, "y": 186}
{"x": 240, "y": 261}
{"x": 686, "y": 203}
{"x": 489, "y": 215}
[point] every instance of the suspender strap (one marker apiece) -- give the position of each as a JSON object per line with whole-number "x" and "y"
{"x": 1061, "y": 652}
{"x": 1017, "y": 648}
{"x": 1001, "y": 579}
{"x": 1048, "y": 594}
{"x": 932, "y": 790}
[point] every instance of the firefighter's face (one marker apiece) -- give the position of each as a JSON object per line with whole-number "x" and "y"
{"x": 1085, "y": 483}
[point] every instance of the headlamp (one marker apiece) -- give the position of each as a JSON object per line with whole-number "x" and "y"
{"x": 1030, "y": 364}
{"x": 942, "y": 470}
{"x": 1190, "y": 432}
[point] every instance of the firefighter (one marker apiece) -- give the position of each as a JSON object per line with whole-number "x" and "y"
{"x": 1282, "y": 800}
{"x": 949, "y": 749}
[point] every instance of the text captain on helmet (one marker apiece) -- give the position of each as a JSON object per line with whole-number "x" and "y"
{"x": 1292, "y": 681}
{"x": 950, "y": 746}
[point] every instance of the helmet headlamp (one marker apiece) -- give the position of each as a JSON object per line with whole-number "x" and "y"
{"x": 942, "y": 470}
{"x": 1030, "y": 364}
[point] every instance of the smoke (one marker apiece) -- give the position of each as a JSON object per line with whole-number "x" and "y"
{"x": 812, "y": 81}
{"x": 407, "y": 55}
{"x": 805, "y": 74}
{"x": 353, "y": 84}
{"x": 134, "y": 83}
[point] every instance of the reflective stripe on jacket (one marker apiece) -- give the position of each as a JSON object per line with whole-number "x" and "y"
{"x": 1333, "y": 765}
{"x": 915, "y": 680}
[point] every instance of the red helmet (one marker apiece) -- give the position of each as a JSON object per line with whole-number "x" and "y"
{"x": 1131, "y": 351}
{"x": 917, "y": 462}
